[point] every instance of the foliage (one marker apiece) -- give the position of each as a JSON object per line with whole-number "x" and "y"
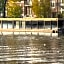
{"x": 13, "y": 9}
{"x": 42, "y": 8}
{"x": 2, "y": 5}
{"x": 15, "y": 0}
{"x": 36, "y": 7}
{"x": 62, "y": 14}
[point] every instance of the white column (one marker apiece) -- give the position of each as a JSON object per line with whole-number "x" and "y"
{"x": 23, "y": 12}
{"x": 30, "y": 2}
{"x": 23, "y": 24}
{"x": 30, "y": 12}
{"x": 61, "y": 10}
{"x": 17, "y": 24}
{"x": 61, "y": 1}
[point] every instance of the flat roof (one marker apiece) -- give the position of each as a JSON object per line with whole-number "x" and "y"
{"x": 28, "y": 19}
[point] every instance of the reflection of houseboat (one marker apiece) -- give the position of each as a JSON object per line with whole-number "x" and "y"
{"x": 29, "y": 26}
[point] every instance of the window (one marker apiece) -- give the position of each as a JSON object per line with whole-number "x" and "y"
{"x": 47, "y": 24}
{"x": 53, "y": 4}
{"x": 34, "y": 24}
{"x": 28, "y": 24}
{"x": 7, "y": 24}
{"x": 40, "y": 24}
{"x": 54, "y": 24}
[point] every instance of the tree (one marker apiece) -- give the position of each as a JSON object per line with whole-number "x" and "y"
{"x": 36, "y": 7}
{"x": 15, "y": 0}
{"x": 41, "y": 8}
{"x": 2, "y": 8}
{"x": 14, "y": 10}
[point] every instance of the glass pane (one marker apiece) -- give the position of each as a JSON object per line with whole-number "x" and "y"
{"x": 47, "y": 24}
{"x": 34, "y": 24}
{"x": 54, "y": 24}
{"x": 40, "y": 24}
{"x": 10, "y": 24}
{"x": 4, "y": 24}
{"x": 28, "y": 24}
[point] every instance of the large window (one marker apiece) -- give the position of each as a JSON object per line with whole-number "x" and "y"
{"x": 7, "y": 24}
{"x": 28, "y": 24}
{"x": 54, "y": 24}
{"x": 4, "y": 25}
{"x": 47, "y": 24}
{"x": 10, "y": 24}
{"x": 53, "y": 4}
{"x": 34, "y": 24}
{"x": 40, "y": 24}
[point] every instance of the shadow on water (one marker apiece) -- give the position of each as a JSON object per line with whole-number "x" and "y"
{"x": 31, "y": 50}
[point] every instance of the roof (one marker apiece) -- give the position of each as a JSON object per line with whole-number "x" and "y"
{"x": 29, "y": 19}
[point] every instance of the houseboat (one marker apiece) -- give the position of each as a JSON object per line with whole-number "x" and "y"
{"x": 29, "y": 26}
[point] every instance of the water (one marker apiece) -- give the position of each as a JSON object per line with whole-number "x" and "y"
{"x": 31, "y": 50}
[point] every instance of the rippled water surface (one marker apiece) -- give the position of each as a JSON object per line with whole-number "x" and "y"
{"x": 31, "y": 50}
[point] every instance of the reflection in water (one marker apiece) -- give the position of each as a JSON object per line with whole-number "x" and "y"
{"x": 31, "y": 50}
